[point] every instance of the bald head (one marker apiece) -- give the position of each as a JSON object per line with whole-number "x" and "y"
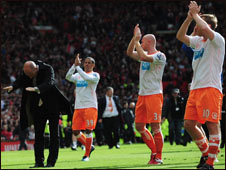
{"x": 150, "y": 38}
{"x": 148, "y": 41}
{"x": 30, "y": 69}
{"x": 132, "y": 105}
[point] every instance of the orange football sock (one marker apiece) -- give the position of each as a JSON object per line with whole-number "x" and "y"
{"x": 158, "y": 137}
{"x": 203, "y": 145}
{"x": 148, "y": 139}
{"x": 81, "y": 138}
{"x": 214, "y": 143}
{"x": 89, "y": 140}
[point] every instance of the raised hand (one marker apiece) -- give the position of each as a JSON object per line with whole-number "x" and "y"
{"x": 194, "y": 8}
{"x": 77, "y": 60}
{"x": 137, "y": 33}
{"x": 190, "y": 15}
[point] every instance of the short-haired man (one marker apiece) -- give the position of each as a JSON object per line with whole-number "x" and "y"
{"x": 85, "y": 114}
{"x": 205, "y": 98}
{"x": 150, "y": 100}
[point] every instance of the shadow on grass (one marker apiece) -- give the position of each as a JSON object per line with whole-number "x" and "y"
{"x": 165, "y": 166}
{"x": 183, "y": 165}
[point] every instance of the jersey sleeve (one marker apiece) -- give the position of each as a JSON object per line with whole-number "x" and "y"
{"x": 95, "y": 77}
{"x": 70, "y": 76}
{"x": 218, "y": 40}
{"x": 159, "y": 58}
{"x": 193, "y": 41}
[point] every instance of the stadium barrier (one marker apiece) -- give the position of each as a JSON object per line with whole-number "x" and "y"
{"x": 14, "y": 145}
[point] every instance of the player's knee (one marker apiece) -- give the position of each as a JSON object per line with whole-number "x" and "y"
{"x": 156, "y": 127}
{"x": 88, "y": 131}
{"x": 188, "y": 125}
{"x": 213, "y": 128}
{"x": 156, "y": 131}
{"x": 139, "y": 128}
{"x": 76, "y": 132}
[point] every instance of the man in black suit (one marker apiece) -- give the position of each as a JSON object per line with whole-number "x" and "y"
{"x": 41, "y": 101}
{"x": 174, "y": 112}
{"x": 109, "y": 109}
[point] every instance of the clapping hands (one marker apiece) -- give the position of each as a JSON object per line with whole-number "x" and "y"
{"x": 137, "y": 33}
{"x": 77, "y": 60}
{"x": 194, "y": 8}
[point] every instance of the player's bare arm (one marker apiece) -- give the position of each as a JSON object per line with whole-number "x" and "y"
{"x": 142, "y": 54}
{"x": 131, "y": 47}
{"x": 140, "y": 51}
{"x": 182, "y": 32}
{"x": 205, "y": 28}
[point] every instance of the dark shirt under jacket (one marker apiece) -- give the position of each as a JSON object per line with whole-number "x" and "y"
{"x": 174, "y": 110}
{"x": 38, "y": 108}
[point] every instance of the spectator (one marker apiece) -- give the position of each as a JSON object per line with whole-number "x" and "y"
{"x": 175, "y": 114}
{"x": 110, "y": 114}
{"x": 31, "y": 135}
{"x": 128, "y": 117}
{"x": 99, "y": 131}
{"x": 6, "y": 133}
{"x": 187, "y": 138}
{"x": 23, "y": 41}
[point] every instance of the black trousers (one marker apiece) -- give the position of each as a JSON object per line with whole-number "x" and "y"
{"x": 22, "y": 138}
{"x": 99, "y": 133}
{"x": 111, "y": 130}
{"x": 40, "y": 119}
{"x": 175, "y": 127}
{"x": 129, "y": 133}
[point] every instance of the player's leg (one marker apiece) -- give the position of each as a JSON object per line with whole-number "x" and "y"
{"x": 146, "y": 136}
{"x": 74, "y": 142}
{"x": 192, "y": 125}
{"x": 89, "y": 141}
{"x": 140, "y": 124}
{"x": 159, "y": 140}
{"x": 91, "y": 119}
{"x": 214, "y": 141}
{"x": 77, "y": 125}
{"x": 212, "y": 104}
{"x": 154, "y": 111}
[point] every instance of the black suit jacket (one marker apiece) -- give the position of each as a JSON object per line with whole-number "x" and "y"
{"x": 54, "y": 102}
{"x": 170, "y": 111}
{"x": 102, "y": 106}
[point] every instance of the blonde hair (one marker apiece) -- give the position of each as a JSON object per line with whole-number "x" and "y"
{"x": 210, "y": 19}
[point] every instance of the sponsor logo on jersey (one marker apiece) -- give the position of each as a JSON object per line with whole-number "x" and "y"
{"x": 146, "y": 66}
{"x": 82, "y": 83}
{"x": 198, "y": 54}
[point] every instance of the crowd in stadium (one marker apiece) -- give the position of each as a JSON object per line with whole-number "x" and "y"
{"x": 99, "y": 30}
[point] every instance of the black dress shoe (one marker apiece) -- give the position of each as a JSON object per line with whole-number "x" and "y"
{"x": 110, "y": 147}
{"x": 37, "y": 165}
{"x": 117, "y": 146}
{"x": 49, "y": 165}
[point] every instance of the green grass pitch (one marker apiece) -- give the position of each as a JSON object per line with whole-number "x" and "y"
{"x": 133, "y": 156}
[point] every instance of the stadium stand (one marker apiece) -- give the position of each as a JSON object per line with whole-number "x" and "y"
{"x": 55, "y": 32}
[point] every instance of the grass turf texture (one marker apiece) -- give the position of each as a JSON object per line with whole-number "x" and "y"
{"x": 135, "y": 156}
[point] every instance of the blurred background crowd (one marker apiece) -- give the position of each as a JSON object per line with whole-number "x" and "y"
{"x": 55, "y": 31}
